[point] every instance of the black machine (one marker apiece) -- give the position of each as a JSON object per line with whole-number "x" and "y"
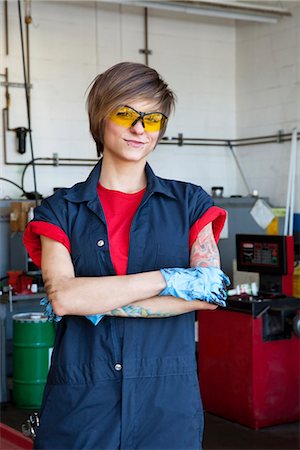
{"x": 270, "y": 256}
{"x": 273, "y": 258}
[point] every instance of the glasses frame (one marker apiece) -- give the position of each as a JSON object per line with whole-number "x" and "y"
{"x": 142, "y": 115}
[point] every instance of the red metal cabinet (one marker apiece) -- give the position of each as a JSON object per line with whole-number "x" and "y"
{"x": 242, "y": 378}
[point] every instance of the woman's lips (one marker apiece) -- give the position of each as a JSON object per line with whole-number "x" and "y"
{"x": 135, "y": 144}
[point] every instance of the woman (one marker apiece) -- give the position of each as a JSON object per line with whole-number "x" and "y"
{"x": 118, "y": 249}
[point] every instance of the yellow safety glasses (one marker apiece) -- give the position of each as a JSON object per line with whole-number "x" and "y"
{"x": 128, "y": 117}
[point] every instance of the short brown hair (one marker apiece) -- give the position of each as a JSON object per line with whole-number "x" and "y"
{"x": 119, "y": 84}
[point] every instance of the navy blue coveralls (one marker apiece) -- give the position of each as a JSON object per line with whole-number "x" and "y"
{"x": 127, "y": 383}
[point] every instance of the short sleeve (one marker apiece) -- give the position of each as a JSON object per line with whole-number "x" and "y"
{"x": 199, "y": 203}
{"x": 215, "y": 215}
{"x": 50, "y": 221}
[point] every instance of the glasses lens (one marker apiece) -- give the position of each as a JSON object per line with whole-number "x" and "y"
{"x": 154, "y": 121}
{"x": 124, "y": 116}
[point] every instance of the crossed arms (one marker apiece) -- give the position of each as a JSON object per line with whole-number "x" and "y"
{"x": 125, "y": 296}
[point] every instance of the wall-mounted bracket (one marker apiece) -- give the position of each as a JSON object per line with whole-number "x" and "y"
{"x": 14, "y": 85}
{"x": 145, "y": 51}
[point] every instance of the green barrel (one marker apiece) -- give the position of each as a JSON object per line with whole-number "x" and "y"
{"x": 33, "y": 339}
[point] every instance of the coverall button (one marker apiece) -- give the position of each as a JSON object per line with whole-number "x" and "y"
{"x": 118, "y": 367}
{"x": 100, "y": 243}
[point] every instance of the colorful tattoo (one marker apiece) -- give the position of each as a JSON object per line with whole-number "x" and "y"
{"x": 137, "y": 311}
{"x": 204, "y": 251}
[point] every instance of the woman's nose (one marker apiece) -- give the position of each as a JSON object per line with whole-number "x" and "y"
{"x": 138, "y": 127}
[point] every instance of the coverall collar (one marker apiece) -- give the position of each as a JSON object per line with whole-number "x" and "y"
{"x": 87, "y": 190}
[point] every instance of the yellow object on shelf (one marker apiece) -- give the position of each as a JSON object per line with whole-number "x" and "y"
{"x": 296, "y": 281}
{"x": 272, "y": 228}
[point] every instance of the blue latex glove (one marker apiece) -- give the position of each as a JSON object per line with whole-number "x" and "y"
{"x": 95, "y": 319}
{"x": 52, "y": 317}
{"x": 197, "y": 283}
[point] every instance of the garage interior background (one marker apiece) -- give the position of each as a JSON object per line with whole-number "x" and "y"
{"x": 234, "y": 79}
{"x": 237, "y": 82}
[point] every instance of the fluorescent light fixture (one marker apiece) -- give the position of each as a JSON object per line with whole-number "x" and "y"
{"x": 227, "y": 10}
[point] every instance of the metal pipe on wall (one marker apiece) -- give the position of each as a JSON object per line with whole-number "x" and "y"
{"x": 146, "y": 36}
{"x": 180, "y": 140}
{"x": 28, "y": 21}
{"x": 145, "y": 51}
{"x": 246, "y": 7}
{"x": 229, "y": 9}
{"x": 196, "y": 142}
{"x": 289, "y": 217}
{"x": 6, "y": 27}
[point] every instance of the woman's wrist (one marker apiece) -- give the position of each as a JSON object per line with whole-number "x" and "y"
{"x": 162, "y": 282}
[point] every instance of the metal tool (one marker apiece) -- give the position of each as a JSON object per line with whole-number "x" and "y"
{"x": 30, "y": 426}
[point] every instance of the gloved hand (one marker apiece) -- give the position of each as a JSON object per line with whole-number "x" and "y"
{"x": 197, "y": 283}
{"x": 52, "y": 317}
{"x": 95, "y": 319}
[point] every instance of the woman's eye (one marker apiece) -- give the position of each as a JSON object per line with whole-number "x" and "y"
{"x": 125, "y": 114}
{"x": 154, "y": 118}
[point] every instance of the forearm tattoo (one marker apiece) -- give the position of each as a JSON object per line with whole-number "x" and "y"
{"x": 137, "y": 311}
{"x": 204, "y": 251}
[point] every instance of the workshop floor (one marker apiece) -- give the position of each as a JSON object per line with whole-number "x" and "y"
{"x": 219, "y": 433}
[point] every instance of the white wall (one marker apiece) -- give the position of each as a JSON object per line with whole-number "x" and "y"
{"x": 268, "y": 100}
{"x": 232, "y": 80}
{"x": 72, "y": 42}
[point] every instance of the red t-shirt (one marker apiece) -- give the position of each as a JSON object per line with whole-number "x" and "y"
{"x": 119, "y": 210}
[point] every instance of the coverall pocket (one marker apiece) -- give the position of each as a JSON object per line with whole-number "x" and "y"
{"x": 81, "y": 417}
{"x": 168, "y": 413}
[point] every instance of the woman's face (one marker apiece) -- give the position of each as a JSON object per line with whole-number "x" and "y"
{"x": 130, "y": 143}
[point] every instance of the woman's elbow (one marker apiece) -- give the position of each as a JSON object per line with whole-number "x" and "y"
{"x": 57, "y": 303}
{"x": 56, "y": 293}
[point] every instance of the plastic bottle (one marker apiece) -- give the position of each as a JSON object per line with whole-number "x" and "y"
{"x": 30, "y": 214}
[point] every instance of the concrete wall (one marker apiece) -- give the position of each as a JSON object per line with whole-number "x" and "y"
{"x": 72, "y": 42}
{"x": 268, "y": 100}
{"x": 232, "y": 80}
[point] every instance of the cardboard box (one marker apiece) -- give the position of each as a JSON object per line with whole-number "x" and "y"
{"x": 19, "y": 214}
